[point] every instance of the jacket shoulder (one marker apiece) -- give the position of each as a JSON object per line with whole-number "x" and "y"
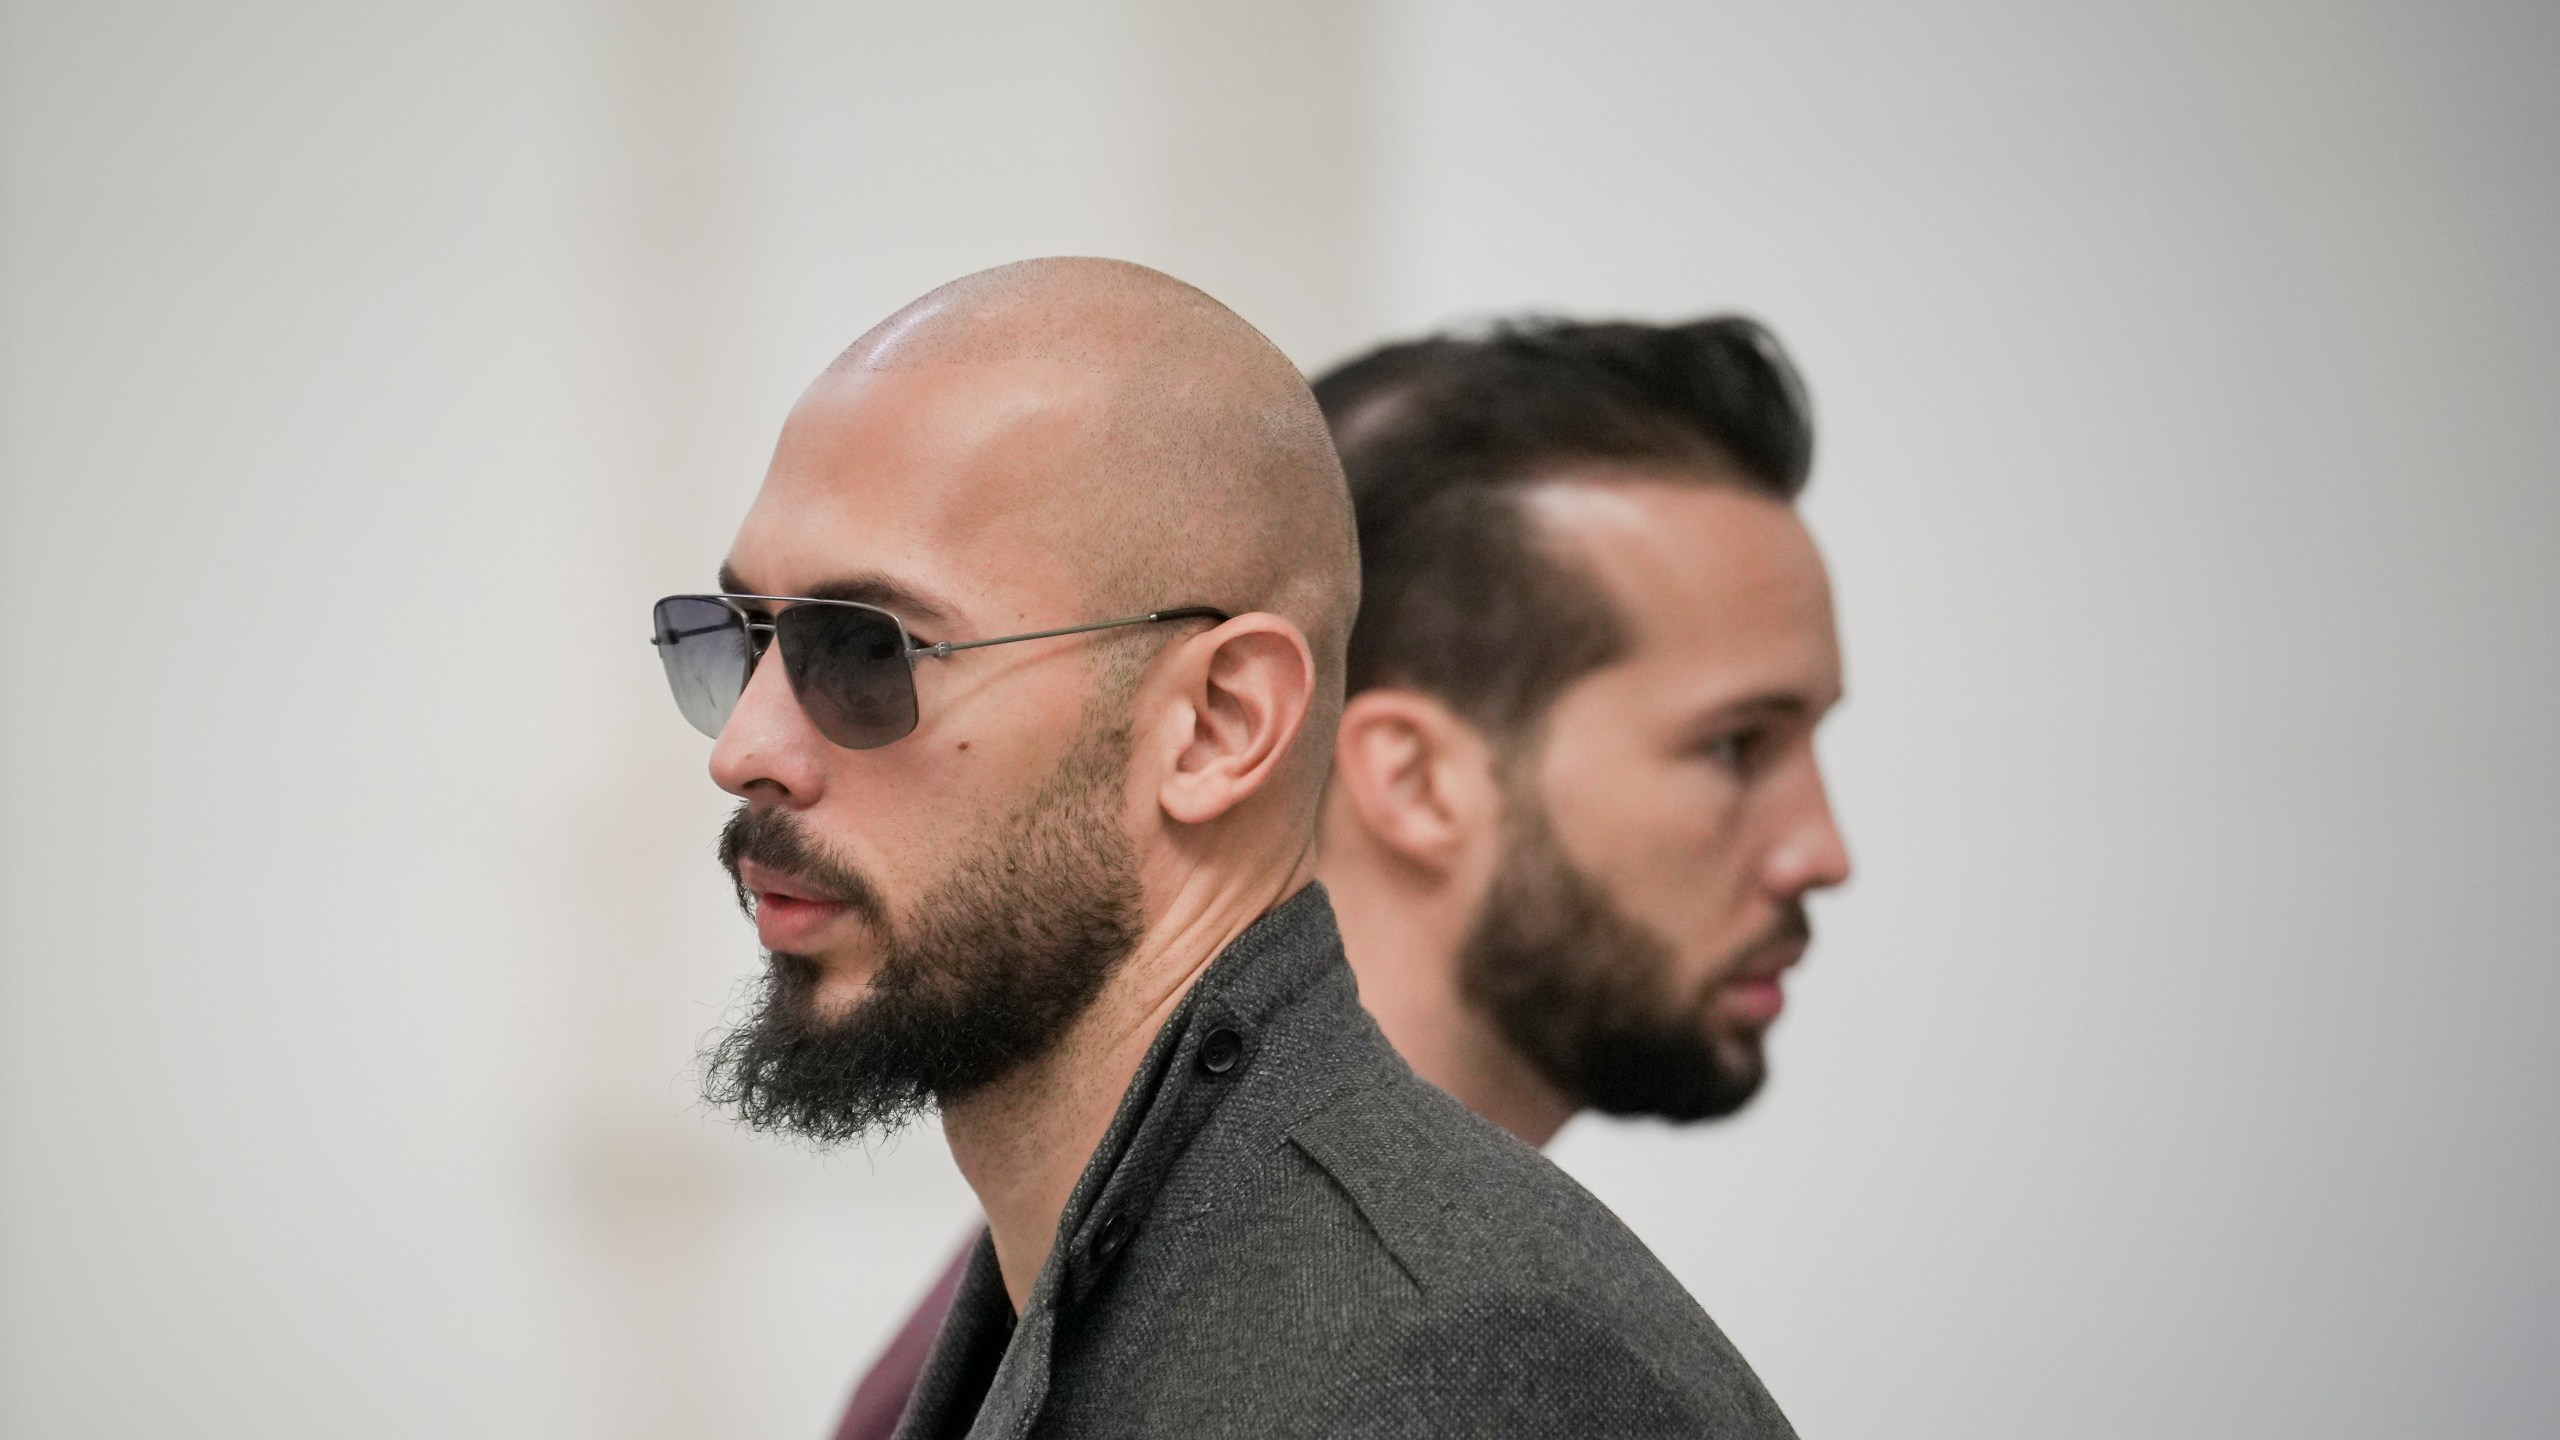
{"x": 1440, "y": 1185}
{"x": 1524, "y": 1275}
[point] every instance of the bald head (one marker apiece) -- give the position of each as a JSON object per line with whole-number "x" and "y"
{"x": 1180, "y": 457}
{"x": 1110, "y": 433}
{"x": 1186, "y": 460}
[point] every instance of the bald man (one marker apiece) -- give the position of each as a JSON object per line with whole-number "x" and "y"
{"x": 1025, "y": 670}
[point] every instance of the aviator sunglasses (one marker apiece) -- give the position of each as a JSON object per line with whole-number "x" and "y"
{"x": 852, "y": 666}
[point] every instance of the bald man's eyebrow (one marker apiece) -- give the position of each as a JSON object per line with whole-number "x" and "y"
{"x": 905, "y": 601}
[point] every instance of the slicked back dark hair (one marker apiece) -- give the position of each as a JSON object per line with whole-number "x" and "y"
{"x": 1441, "y": 436}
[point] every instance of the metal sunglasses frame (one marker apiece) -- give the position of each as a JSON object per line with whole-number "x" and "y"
{"x": 906, "y": 641}
{"x": 761, "y": 630}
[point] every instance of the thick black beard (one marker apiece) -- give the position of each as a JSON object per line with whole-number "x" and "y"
{"x": 1000, "y": 958}
{"x": 1583, "y": 991}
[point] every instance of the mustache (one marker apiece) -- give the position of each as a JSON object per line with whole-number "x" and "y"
{"x": 1793, "y": 926}
{"x": 776, "y": 840}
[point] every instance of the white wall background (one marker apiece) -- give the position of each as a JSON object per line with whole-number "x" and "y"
{"x": 2177, "y": 1065}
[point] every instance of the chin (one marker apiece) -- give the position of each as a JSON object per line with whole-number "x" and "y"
{"x": 834, "y": 999}
{"x": 816, "y": 990}
{"x": 1738, "y": 1047}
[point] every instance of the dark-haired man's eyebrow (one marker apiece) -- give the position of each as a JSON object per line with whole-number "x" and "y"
{"x": 1779, "y": 702}
{"x": 906, "y": 601}
{"x": 1768, "y": 707}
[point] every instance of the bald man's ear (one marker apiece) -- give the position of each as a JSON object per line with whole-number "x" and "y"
{"x": 1248, "y": 687}
{"x": 1416, "y": 777}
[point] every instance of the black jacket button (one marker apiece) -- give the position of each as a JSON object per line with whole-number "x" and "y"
{"x": 1114, "y": 1234}
{"x": 1220, "y": 1052}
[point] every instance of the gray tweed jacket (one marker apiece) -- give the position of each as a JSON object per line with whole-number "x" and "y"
{"x": 1286, "y": 1233}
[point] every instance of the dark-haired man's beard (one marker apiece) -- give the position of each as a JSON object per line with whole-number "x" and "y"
{"x": 987, "y": 972}
{"x": 1585, "y": 992}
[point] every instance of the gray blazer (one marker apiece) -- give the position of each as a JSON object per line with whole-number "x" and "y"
{"x": 1286, "y": 1233}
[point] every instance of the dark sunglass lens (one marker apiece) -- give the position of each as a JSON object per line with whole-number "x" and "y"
{"x": 849, "y": 667}
{"x": 704, "y": 646}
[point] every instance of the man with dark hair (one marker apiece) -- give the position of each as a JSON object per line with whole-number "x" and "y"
{"x": 1575, "y": 808}
{"x": 1025, "y": 668}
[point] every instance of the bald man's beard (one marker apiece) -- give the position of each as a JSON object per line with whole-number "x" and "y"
{"x": 986, "y": 975}
{"x": 1584, "y": 991}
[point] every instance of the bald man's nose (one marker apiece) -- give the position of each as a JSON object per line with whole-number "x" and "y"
{"x": 1811, "y": 853}
{"x": 769, "y": 751}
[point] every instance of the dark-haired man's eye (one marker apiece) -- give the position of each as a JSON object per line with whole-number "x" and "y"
{"x": 1734, "y": 750}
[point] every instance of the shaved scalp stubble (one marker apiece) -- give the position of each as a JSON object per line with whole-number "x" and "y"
{"x": 1202, "y": 472}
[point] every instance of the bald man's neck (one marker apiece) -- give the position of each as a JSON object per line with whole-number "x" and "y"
{"x": 1023, "y": 1143}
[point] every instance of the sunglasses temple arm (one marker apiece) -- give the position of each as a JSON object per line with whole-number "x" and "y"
{"x": 1196, "y": 612}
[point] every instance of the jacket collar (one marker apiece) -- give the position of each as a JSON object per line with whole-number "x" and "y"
{"x": 1196, "y": 1061}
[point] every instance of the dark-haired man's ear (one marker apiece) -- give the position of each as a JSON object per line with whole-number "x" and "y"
{"x": 1419, "y": 780}
{"x": 1243, "y": 692}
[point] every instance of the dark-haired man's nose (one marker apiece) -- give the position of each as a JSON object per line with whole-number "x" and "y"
{"x": 769, "y": 752}
{"x": 1810, "y": 853}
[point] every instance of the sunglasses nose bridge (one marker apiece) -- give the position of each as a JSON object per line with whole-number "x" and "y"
{"x": 760, "y": 635}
